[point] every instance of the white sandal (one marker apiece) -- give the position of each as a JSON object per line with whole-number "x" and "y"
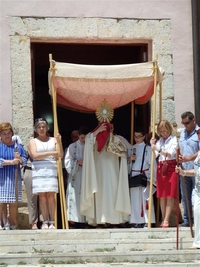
{"x": 7, "y": 226}
{"x": 45, "y": 225}
{"x": 51, "y": 226}
{"x": 1, "y": 228}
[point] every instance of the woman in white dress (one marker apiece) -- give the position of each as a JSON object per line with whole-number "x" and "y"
{"x": 195, "y": 172}
{"x": 44, "y": 151}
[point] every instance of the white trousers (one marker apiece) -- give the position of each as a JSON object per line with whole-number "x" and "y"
{"x": 139, "y": 206}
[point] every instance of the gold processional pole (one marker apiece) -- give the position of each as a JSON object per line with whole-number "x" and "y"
{"x": 160, "y": 102}
{"x": 155, "y": 69}
{"x": 59, "y": 162}
{"x": 132, "y": 121}
{"x": 160, "y": 118}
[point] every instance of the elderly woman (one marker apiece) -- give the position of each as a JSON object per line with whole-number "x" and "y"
{"x": 165, "y": 151}
{"x": 195, "y": 172}
{"x": 12, "y": 155}
{"x": 44, "y": 151}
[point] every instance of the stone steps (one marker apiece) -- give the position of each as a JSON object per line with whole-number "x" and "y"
{"x": 125, "y": 264}
{"x": 183, "y": 256}
{"x": 94, "y": 234}
{"x": 98, "y": 246}
{"x": 107, "y": 245}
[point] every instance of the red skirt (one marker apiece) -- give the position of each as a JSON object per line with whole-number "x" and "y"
{"x": 167, "y": 185}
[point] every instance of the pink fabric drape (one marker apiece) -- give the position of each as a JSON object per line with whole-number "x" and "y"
{"x": 85, "y": 89}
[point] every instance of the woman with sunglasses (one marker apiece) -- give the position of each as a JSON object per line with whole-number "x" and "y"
{"x": 189, "y": 174}
{"x": 165, "y": 150}
{"x": 12, "y": 155}
{"x": 44, "y": 151}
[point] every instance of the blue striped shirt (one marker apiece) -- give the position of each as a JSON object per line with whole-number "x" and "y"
{"x": 7, "y": 173}
{"x": 189, "y": 145}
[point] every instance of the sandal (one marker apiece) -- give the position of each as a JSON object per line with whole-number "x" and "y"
{"x": 7, "y": 226}
{"x": 51, "y": 226}
{"x": 1, "y": 228}
{"x": 165, "y": 224}
{"x": 45, "y": 225}
{"x": 34, "y": 226}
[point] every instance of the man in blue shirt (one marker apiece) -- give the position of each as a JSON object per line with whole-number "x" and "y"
{"x": 189, "y": 145}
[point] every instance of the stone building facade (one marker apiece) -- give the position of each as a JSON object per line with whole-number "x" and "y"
{"x": 125, "y": 22}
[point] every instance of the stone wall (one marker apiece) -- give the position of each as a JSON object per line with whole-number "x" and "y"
{"x": 23, "y": 31}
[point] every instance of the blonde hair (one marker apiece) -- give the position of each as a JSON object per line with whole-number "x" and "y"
{"x": 166, "y": 125}
{"x": 5, "y": 126}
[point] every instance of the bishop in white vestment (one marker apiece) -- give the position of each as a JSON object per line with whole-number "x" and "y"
{"x": 104, "y": 193}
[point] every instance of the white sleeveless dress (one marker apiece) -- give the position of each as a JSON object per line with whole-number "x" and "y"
{"x": 44, "y": 171}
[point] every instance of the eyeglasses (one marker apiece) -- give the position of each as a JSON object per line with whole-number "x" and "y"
{"x": 138, "y": 136}
{"x": 6, "y": 133}
{"x": 185, "y": 122}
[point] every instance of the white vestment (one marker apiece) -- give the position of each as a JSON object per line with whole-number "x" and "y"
{"x": 74, "y": 153}
{"x": 104, "y": 193}
{"x": 139, "y": 204}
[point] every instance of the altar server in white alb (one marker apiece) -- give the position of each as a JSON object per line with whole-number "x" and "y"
{"x": 139, "y": 202}
{"x": 73, "y": 164}
{"x": 105, "y": 193}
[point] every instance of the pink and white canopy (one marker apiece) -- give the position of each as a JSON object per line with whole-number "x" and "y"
{"x": 84, "y": 87}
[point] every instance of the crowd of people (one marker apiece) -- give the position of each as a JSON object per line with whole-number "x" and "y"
{"x": 107, "y": 180}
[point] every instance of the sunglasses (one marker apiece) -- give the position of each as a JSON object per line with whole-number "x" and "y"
{"x": 186, "y": 122}
{"x": 40, "y": 119}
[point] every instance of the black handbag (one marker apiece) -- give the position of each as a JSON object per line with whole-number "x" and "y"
{"x": 140, "y": 179}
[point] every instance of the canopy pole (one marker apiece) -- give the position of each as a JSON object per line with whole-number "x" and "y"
{"x": 155, "y": 68}
{"x": 160, "y": 102}
{"x": 59, "y": 163}
{"x": 132, "y": 121}
{"x": 160, "y": 118}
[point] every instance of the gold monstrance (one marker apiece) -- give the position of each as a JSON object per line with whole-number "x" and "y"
{"x": 104, "y": 112}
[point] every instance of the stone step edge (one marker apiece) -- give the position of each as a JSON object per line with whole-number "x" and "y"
{"x": 98, "y": 241}
{"x": 154, "y": 229}
{"x": 107, "y": 232}
{"x": 119, "y": 264}
{"x": 129, "y": 253}
{"x": 102, "y": 258}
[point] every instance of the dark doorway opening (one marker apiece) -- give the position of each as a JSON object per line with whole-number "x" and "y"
{"x": 94, "y": 54}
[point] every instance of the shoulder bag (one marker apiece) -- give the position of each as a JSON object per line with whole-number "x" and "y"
{"x": 140, "y": 179}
